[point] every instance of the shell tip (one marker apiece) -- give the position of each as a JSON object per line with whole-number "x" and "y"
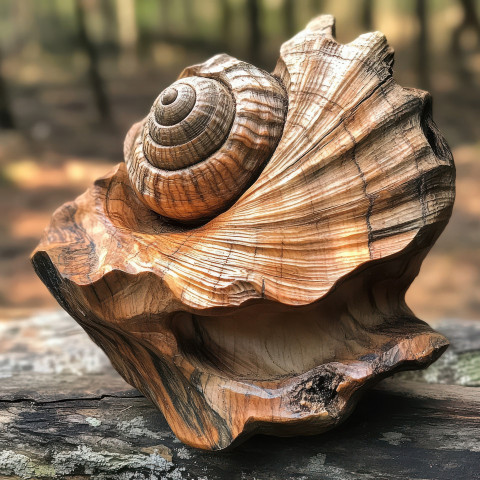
{"x": 323, "y": 24}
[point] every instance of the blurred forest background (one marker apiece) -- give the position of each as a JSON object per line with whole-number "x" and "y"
{"x": 75, "y": 74}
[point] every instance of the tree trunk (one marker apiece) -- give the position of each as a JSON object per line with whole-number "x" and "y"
{"x": 317, "y": 6}
{"x": 165, "y": 14}
{"x": 127, "y": 34}
{"x": 470, "y": 21}
{"x": 189, "y": 13}
{"x": 367, "y": 15}
{"x": 226, "y": 15}
{"x": 289, "y": 17}
{"x": 110, "y": 28}
{"x": 422, "y": 49}
{"x": 6, "y": 115}
{"x": 96, "y": 81}
{"x": 255, "y": 39}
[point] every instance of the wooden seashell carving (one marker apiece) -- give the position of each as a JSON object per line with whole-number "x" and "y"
{"x": 275, "y": 315}
{"x": 205, "y": 139}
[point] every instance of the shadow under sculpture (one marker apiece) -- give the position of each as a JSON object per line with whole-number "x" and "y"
{"x": 246, "y": 267}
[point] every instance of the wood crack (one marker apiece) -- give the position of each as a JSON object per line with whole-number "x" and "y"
{"x": 66, "y": 400}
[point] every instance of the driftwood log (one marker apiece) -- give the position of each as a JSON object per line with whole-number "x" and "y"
{"x": 246, "y": 267}
{"x": 66, "y": 414}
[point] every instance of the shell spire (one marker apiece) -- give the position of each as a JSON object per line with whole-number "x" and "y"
{"x": 206, "y": 139}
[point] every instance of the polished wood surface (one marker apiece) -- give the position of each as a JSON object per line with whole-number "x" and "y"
{"x": 275, "y": 315}
{"x": 191, "y": 160}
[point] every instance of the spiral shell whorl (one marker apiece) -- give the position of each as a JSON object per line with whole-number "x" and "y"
{"x": 205, "y": 139}
{"x": 189, "y": 125}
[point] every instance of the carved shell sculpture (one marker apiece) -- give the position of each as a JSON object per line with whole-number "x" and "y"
{"x": 246, "y": 267}
{"x": 206, "y": 139}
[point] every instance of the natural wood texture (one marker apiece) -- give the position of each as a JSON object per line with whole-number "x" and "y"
{"x": 410, "y": 432}
{"x": 58, "y": 425}
{"x": 205, "y": 139}
{"x": 278, "y": 313}
{"x": 461, "y": 363}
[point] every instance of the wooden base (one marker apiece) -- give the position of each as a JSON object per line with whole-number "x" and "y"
{"x": 67, "y": 414}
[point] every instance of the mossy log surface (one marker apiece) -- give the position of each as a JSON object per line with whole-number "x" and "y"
{"x": 65, "y": 413}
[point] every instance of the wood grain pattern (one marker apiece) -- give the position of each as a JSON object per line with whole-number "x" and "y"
{"x": 278, "y": 313}
{"x": 411, "y": 432}
{"x": 193, "y": 166}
